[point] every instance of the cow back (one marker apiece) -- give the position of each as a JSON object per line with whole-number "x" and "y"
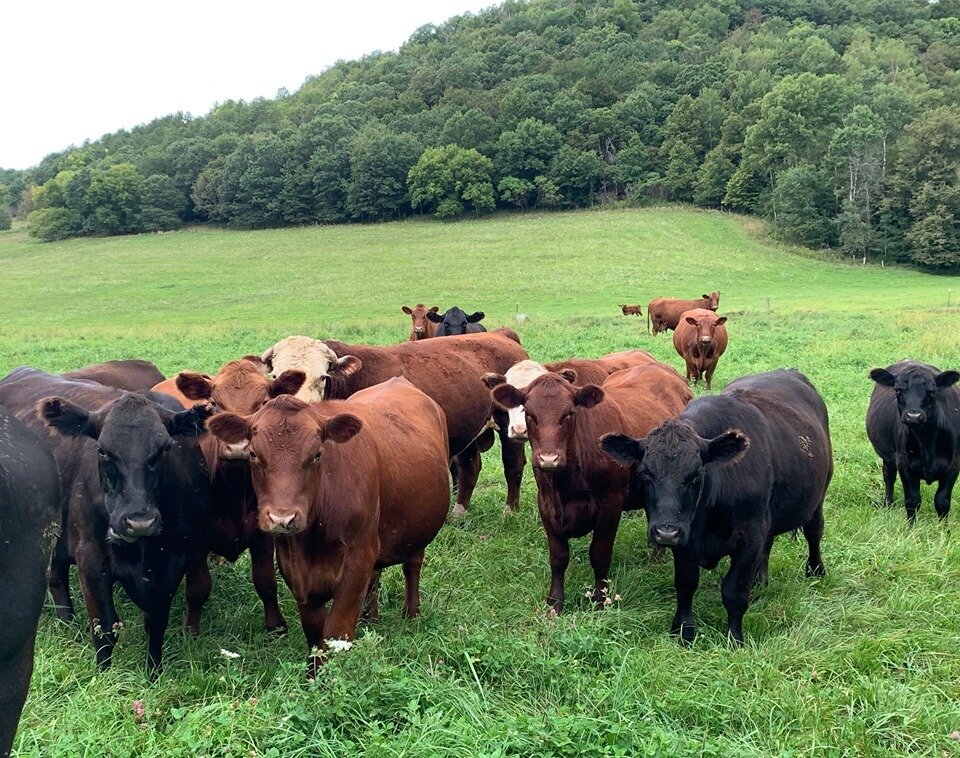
{"x": 133, "y": 375}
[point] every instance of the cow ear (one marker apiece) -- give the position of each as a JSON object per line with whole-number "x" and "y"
{"x": 342, "y": 427}
{"x": 691, "y": 320}
{"x": 705, "y": 297}
{"x": 434, "y": 316}
{"x": 406, "y": 309}
{"x": 884, "y": 377}
{"x": 346, "y": 366}
{"x": 434, "y": 309}
{"x": 475, "y": 317}
{"x": 726, "y": 447}
{"x": 189, "y": 423}
{"x": 267, "y": 358}
{"x": 947, "y": 379}
{"x": 230, "y": 427}
{"x": 288, "y": 383}
{"x": 494, "y": 380}
{"x": 507, "y": 396}
{"x": 68, "y": 419}
{"x": 258, "y": 362}
{"x": 194, "y": 386}
{"x": 722, "y": 320}
{"x": 622, "y": 448}
{"x": 569, "y": 374}
{"x": 588, "y": 396}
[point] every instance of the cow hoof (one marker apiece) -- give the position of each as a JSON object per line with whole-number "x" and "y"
{"x": 279, "y": 630}
{"x": 458, "y": 512}
{"x": 815, "y": 571}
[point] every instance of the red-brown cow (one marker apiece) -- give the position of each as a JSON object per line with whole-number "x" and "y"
{"x": 337, "y": 490}
{"x": 631, "y": 310}
{"x": 700, "y": 339}
{"x": 578, "y": 491}
{"x": 665, "y": 312}
{"x": 133, "y": 375}
{"x": 241, "y": 387}
{"x": 423, "y": 327}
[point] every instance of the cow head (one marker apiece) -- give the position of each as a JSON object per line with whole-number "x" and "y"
{"x": 455, "y": 321}
{"x": 713, "y": 300}
{"x": 916, "y": 387}
{"x": 239, "y": 387}
{"x": 672, "y": 463}
{"x": 551, "y": 406}
{"x": 520, "y": 375}
{"x": 134, "y": 434}
{"x": 706, "y": 326}
{"x": 286, "y": 439}
{"x": 313, "y": 358}
{"x": 421, "y": 324}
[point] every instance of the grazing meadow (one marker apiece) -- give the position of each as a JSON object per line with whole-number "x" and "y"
{"x": 864, "y": 661}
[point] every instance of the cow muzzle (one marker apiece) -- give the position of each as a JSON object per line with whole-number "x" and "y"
{"x": 517, "y": 432}
{"x": 281, "y": 522}
{"x": 239, "y": 451}
{"x": 705, "y": 340}
{"x": 913, "y": 418}
{"x": 667, "y": 535}
{"x": 133, "y": 527}
{"x": 549, "y": 461}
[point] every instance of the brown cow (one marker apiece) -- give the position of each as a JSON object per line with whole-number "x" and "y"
{"x": 449, "y": 370}
{"x": 336, "y": 488}
{"x": 631, "y": 310}
{"x": 241, "y": 387}
{"x": 423, "y": 328}
{"x": 578, "y": 491}
{"x": 665, "y": 312}
{"x": 700, "y": 339}
{"x": 132, "y": 375}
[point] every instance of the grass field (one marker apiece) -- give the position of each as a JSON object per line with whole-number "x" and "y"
{"x": 865, "y": 661}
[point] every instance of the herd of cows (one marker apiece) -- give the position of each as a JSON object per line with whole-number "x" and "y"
{"x": 334, "y": 461}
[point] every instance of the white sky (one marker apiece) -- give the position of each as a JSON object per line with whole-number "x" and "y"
{"x": 74, "y": 70}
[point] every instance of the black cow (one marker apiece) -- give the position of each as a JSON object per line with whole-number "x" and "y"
{"x": 727, "y": 476}
{"x": 913, "y": 422}
{"x": 134, "y": 496}
{"x": 29, "y": 524}
{"x": 455, "y": 321}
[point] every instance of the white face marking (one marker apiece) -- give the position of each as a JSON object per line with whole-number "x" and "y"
{"x": 517, "y": 428}
{"x": 520, "y": 376}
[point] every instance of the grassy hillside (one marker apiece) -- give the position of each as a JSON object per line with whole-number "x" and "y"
{"x": 865, "y": 661}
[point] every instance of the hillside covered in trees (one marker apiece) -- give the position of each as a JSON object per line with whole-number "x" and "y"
{"x": 838, "y": 120}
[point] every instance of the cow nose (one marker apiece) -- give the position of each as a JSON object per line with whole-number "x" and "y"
{"x": 666, "y": 535}
{"x": 142, "y": 526}
{"x": 548, "y": 460}
{"x": 418, "y": 329}
{"x": 914, "y": 417}
{"x": 518, "y": 431}
{"x": 704, "y": 339}
{"x": 235, "y": 451}
{"x": 282, "y": 522}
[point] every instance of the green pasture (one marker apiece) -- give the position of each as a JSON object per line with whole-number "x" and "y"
{"x": 865, "y": 661}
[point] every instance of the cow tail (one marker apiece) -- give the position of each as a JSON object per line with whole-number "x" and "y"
{"x": 648, "y": 319}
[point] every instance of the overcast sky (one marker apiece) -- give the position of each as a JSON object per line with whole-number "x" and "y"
{"x": 74, "y": 70}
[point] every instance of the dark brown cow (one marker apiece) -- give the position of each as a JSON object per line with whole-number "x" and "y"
{"x": 132, "y": 375}
{"x": 700, "y": 339}
{"x": 665, "y": 312}
{"x": 336, "y": 488}
{"x": 631, "y": 310}
{"x": 578, "y": 490}
{"x": 423, "y": 328}
{"x": 596, "y": 370}
{"x": 240, "y": 387}
{"x": 450, "y": 371}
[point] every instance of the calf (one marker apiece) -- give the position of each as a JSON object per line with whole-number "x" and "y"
{"x": 240, "y": 387}
{"x": 913, "y": 422}
{"x": 455, "y": 321}
{"x": 727, "y": 476}
{"x": 665, "y": 312}
{"x": 631, "y": 310}
{"x": 133, "y": 375}
{"x": 423, "y": 328}
{"x": 29, "y": 525}
{"x": 337, "y": 490}
{"x": 579, "y": 490}
{"x": 133, "y": 493}
{"x": 700, "y": 339}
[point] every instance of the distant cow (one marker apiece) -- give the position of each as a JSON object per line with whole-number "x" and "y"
{"x": 133, "y": 375}
{"x": 338, "y": 490}
{"x": 423, "y": 328}
{"x": 727, "y": 476}
{"x": 133, "y": 493}
{"x": 29, "y": 525}
{"x": 579, "y": 490}
{"x": 240, "y": 387}
{"x": 455, "y": 322}
{"x": 700, "y": 339}
{"x": 631, "y": 310}
{"x": 665, "y": 312}
{"x": 450, "y": 371}
{"x": 913, "y": 422}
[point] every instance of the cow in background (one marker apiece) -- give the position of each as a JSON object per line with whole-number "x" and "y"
{"x": 631, "y": 310}
{"x": 664, "y": 313}
{"x": 423, "y": 328}
{"x": 456, "y": 321}
{"x": 700, "y": 339}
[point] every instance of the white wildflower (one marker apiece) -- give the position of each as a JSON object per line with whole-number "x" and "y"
{"x": 339, "y": 646}
{"x": 228, "y": 653}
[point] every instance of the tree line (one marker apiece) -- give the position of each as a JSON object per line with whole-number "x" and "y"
{"x": 838, "y": 120}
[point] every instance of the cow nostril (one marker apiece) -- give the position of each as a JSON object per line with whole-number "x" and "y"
{"x": 282, "y": 520}
{"x": 142, "y": 525}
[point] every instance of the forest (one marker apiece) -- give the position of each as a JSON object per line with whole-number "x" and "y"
{"x": 836, "y": 120}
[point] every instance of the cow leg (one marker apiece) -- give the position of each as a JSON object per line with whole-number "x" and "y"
{"x": 601, "y": 551}
{"x": 155, "y": 624}
{"x": 371, "y": 608}
{"x": 514, "y": 459}
{"x": 265, "y": 581}
{"x": 711, "y": 367}
{"x": 357, "y": 571}
{"x": 313, "y": 616}
{"x": 763, "y": 570}
{"x": 411, "y": 575}
{"x": 941, "y": 501}
{"x": 735, "y": 589}
{"x": 889, "y": 479}
{"x": 468, "y": 470}
{"x": 686, "y": 579}
{"x": 559, "y": 549}
{"x": 15, "y": 671}
{"x": 59, "y": 576}
{"x": 911, "y": 495}
{"x": 96, "y": 581}
{"x": 196, "y": 589}
{"x": 813, "y": 531}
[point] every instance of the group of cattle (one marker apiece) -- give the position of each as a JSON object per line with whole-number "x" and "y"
{"x": 336, "y": 459}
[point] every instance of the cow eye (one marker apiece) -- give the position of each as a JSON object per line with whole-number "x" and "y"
{"x": 566, "y": 417}
{"x": 252, "y": 455}
{"x": 154, "y": 459}
{"x": 103, "y": 454}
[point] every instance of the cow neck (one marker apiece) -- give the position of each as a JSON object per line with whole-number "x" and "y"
{"x": 925, "y": 439}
